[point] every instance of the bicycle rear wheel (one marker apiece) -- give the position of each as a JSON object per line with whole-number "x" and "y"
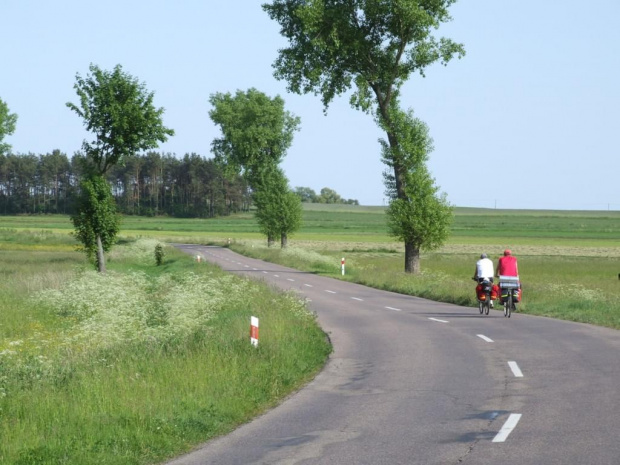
{"x": 508, "y": 306}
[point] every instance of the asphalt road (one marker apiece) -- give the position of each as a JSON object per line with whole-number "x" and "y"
{"x": 413, "y": 381}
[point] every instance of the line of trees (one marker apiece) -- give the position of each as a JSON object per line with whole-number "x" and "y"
{"x": 149, "y": 184}
{"x": 327, "y": 195}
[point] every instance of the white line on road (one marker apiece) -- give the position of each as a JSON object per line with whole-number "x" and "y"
{"x": 331, "y": 292}
{"x": 438, "y": 320}
{"x": 355, "y": 298}
{"x": 247, "y": 266}
{"x": 266, "y": 272}
{"x": 255, "y": 269}
{"x": 484, "y": 338}
{"x": 395, "y": 309}
{"x": 515, "y": 369}
{"x": 289, "y": 279}
{"x": 276, "y": 276}
{"x": 510, "y": 424}
{"x": 308, "y": 285}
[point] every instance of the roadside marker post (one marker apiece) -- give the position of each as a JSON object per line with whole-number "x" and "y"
{"x": 254, "y": 331}
{"x": 342, "y": 265}
{"x": 198, "y": 258}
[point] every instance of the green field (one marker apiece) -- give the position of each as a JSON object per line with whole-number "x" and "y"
{"x": 140, "y": 364}
{"x": 113, "y": 370}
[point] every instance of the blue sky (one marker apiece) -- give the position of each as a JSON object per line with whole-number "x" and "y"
{"x": 529, "y": 118}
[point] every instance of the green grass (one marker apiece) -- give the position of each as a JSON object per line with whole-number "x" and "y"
{"x": 141, "y": 364}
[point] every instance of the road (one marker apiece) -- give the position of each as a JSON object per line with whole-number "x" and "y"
{"x": 413, "y": 381}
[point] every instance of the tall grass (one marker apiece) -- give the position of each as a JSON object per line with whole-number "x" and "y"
{"x": 141, "y": 363}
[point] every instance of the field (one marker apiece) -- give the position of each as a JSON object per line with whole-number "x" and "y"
{"x": 115, "y": 370}
{"x": 139, "y": 364}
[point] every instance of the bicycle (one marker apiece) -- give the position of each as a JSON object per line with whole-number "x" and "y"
{"x": 509, "y": 286}
{"x": 484, "y": 296}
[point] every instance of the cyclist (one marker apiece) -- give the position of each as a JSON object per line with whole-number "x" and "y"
{"x": 507, "y": 266}
{"x": 484, "y": 270}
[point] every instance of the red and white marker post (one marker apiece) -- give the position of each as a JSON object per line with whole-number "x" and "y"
{"x": 342, "y": 265}
{"x": 254, "y": 331}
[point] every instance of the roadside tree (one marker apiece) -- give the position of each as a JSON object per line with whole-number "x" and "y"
{"x": 119, "y": 111}
{"x": 256, "y": 133}
{"x": 371, "y": 47}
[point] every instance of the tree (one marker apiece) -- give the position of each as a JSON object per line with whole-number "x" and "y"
{"x": 7, "y": 126}
{"x": 422, "y": 219}
{"x": 329, "y": 196}
{"x": 119, "y": 110}
{"x": 306, "y": 194}
{"x": 279, "y": 211}
{"x": 370, "y": 46}
{"x": 256, "y": 133}
{"x": 96, "y": 222}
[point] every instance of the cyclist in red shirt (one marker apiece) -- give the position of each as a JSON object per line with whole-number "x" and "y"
{"x": 507, "y": 265}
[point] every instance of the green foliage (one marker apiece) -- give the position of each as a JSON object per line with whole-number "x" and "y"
{"x": 420, "y": 217}
{"x": 279, "y": 210}
{"x": 120, "y": 112}
{"x": 7, "y": 126}
{"x": 372, "y": 45}
{"x": 96, "y": 217}
{"x": 256, "y": 132}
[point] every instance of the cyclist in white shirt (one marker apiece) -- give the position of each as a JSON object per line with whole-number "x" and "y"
{"x": 484, "y": 271}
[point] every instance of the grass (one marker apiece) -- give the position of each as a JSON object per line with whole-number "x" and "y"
{"x": 140, "y": 364}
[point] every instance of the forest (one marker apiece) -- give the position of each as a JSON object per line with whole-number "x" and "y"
{"x": 150, "y": 184}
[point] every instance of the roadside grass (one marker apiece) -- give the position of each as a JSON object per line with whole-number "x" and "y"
{"x": 142, "y": 363}
{"x": 567, "y": 286}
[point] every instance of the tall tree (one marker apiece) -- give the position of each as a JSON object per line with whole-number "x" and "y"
{"x": 256, "y": 133}
{"x": 7, "y": 126}
{"x": 119, "y": 111}
{"x": 369, "y": 46}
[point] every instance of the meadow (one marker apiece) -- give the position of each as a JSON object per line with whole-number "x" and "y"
{"x": 142, "y": 363}
{"x": 149, "y": 361}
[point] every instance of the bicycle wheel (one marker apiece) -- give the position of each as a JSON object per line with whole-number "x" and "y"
{"x": 509, "y": 305}
{"x": 480, "y": 306}
{"x": 487, "y": 306}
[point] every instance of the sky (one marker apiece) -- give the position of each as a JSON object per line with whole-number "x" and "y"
{"x": 528, "y": 119}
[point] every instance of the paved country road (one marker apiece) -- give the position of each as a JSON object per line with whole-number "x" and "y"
{"x": 413, "y": 381}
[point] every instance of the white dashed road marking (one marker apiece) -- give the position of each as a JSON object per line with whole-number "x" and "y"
{"x": 515, "y": 369}
{"x": 484, "y": 338}
{"x": 438, "y": 320}
{"x": 331, "y": 292}
{"x": 395, "y": 309}
{"x": 355, "y": 298}
{"x": 510, "y": 424}
{"x": 308, "y": 285}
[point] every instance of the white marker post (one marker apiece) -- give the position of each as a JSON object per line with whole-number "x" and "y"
{"x": 198, "y": 258}
{"x": 342, "y": 265}
{"x": 254, "y": 331}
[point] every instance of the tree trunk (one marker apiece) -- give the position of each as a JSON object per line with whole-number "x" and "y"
{"x": 270, "y": 240}
{"x": 100, "y": 256}
{"x": 283, "y": 241}
{"x": 412, "y": 258}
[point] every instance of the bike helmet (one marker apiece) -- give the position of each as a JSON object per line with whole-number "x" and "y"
{"x": 483, "y": 255}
